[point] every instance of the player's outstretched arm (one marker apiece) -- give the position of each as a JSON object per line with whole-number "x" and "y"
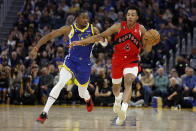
{"x": 49, "y": 36}
{"x": 113, "y": 29}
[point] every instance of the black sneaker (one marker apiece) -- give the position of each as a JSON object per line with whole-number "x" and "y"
{"x": 42, "y": 117}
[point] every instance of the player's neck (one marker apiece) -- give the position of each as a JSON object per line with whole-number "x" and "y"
{"x": 80, "y": 26}
{"x": 131, "y": 25}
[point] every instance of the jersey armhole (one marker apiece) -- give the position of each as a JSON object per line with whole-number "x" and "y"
{"x": 71, "y": 34}
{"x": 121, "y": 28}
{"x": 92, "y": 30}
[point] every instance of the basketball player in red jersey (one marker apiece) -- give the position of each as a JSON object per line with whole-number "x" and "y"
{"x": 128, "y": 36}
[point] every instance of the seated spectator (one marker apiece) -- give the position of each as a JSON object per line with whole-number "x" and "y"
{"x": 180, "y": 66}
{"x": 137, "y": 98}
{"x": 45, "y": 84}
{"x": 14, "y": 59}
{"x": 174, "y": 74}
{"x": 59, "y": 59}
{"x": 4, "y": 84}
{"x": 35, "y": 76}
{"x": 44, "y": 60}
{"x": 147, "y": 81}
{"x": 192, "y": 58}
{"x": 189, "y": 84}
{"x": 174, "y": 96}
{"x": 51, "y": 70}
{"x": 161, "y": 83}
{"x": 103, "y": 95}
{"x": 27, "y": 92}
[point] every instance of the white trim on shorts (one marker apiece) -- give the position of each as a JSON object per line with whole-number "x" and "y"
{"x": 132, "y": 70}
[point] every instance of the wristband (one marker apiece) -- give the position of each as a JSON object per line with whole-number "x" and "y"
{"x": 105, "y": 43}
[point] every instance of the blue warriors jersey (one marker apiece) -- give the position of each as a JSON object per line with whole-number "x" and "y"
{"x": 77, "y": 34}
{"x": 78, "y": 61}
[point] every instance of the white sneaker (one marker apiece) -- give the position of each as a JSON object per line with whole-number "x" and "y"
{"x": 121, "y": 117}
{"x": 118, "y": 122}
{"x": 116, "y": 107}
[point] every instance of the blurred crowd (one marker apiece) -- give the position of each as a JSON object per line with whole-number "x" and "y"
{"x": 26, "y": 81}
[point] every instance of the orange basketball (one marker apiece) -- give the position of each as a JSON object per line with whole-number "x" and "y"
{"x": 151, "y": 37}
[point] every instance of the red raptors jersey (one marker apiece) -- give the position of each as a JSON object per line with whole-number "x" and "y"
{"x": 127, "y": 43}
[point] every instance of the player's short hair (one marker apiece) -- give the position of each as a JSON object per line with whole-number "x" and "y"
{"x": 132, "y": 7}
{"x": 79, "y": 12}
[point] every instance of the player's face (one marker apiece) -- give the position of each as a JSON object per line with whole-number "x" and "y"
{"x": 83, "y": 19}
{"x": 132, "y": 16}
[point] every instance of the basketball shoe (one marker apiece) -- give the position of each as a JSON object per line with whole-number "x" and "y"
{"x": 121, "y": 117}
{"x": 42, "y": 117}
{"x": 89, "y": 105}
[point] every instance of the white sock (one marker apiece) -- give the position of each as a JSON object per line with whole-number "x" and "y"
{"x": 124, "y": 106}
{"x": 118, "y": 99}
{"x": 49, "y": 103}
{"x": 83, "y": 93}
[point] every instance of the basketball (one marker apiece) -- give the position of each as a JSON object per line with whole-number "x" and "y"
{"x": 151, "y": 37}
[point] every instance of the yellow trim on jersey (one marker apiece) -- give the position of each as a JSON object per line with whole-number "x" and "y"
{"x": 92, "y": 29}
{"x": 72, "y": 32}
{"x": 75, "y": 80}
{"x": 82, "y": 30}
{"x": 83, "y": 85}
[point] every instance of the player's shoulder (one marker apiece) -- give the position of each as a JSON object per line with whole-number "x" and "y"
{"x": 142, "y": 28}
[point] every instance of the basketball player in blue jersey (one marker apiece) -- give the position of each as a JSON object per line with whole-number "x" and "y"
{"x": 77, "y": 64}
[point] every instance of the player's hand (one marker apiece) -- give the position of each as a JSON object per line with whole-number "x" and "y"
{"x": 74, "y": 43}
{"x": 33, "y": 54}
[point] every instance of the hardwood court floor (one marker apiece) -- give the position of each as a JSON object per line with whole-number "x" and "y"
{"x": 67, "y": 118}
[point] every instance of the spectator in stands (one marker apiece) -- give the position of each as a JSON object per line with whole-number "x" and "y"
{"x": 31, "y": 23}
{"x": 174, "y": 73}
{"x": 45, "y": 84}
{"x": 189, "y": 84}
{"x": 10, "y": 41}
{"x": 181, "y": 64}
{"x": 51, "y": 70}
{"x": 17, "y": 35}
{"x": 137, "y": 98}
{"x": 4, "y": 84}
{"x": 35, "y": 77}
{"x": 103, "y": 95}
{"x": 192, "y": 58}
{"x": 174, "y": 96}
{"x": 193, "y": 17}
{"x": 37, "y": 12}
{"x": 148, "y": 82}
{"x": 14, "y": 59}
{"x": 45, "y": 19}
{"x": 58, "y": 60}
{"x": 44, "y": 60}
{"x": 161, "y": 83}
{"x": 69, "y": 20}
{"x": 27, "y": 92}
{"x": 186, "y": 72}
